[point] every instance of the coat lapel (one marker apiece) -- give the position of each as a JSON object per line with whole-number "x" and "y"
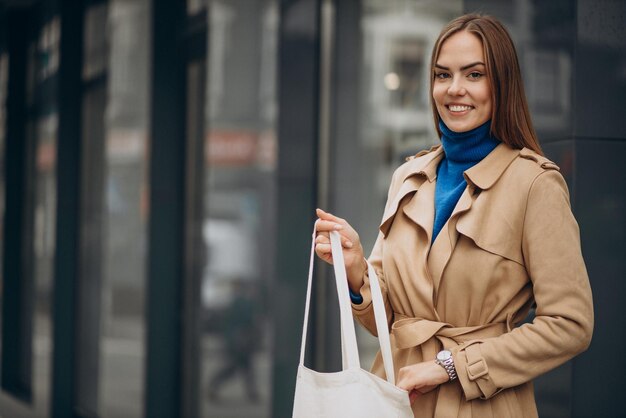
{"x": 480, "y": 177}
{"x": 421, "y": 209}
{"x": 419, "y": 176}
{"x": 445, "y": 242}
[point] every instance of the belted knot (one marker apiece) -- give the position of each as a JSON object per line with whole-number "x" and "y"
{"x": 412, "y": 332}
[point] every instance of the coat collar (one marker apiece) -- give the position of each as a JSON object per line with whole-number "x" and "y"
{"x": 411, "y": 177}
{"x": 485, "y": 174}
{"x": 424, "y": 168}
{"x": 426, "y": 165}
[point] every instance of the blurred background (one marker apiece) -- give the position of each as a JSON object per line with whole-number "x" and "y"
{"x": 160, "y": 162}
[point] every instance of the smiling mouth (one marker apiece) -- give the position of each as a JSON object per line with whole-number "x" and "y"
{"x": 459, "y": 108}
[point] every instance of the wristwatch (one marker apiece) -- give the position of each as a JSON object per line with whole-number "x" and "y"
{"x": 445, "y": 360}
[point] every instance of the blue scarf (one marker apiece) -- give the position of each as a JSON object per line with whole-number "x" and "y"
{"x": 462, "y": 151}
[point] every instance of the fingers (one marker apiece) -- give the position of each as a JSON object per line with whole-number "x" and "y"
{"x": 418, "y": 379}
{"x": 329, "y": 222}
{"x": 328, "y": 216}
{"x": 323, "y": 252}
{"x": 323, "y": 238}
{"x": 326, "y": 226}
{"x": 326, "y": 223}
{"x": 322, "y": 249}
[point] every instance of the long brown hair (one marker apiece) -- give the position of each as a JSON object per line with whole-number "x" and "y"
{"x": 510, "y": 119}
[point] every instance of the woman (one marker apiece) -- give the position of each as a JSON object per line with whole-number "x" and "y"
{"x": 474, "y": 233}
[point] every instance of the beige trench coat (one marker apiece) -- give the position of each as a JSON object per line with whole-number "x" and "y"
{"x": 510, "y": 243}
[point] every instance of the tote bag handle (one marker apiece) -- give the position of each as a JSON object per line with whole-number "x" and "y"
{"x": 350, "y": 353}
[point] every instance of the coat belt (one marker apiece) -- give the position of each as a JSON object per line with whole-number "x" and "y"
{"x": 410, "y": 332}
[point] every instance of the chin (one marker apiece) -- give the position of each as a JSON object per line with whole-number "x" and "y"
{"x": 461, "y": 126}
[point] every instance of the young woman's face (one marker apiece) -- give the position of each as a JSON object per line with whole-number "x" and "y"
{"x": 461, "y": 90}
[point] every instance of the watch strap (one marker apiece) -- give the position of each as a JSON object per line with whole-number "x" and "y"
{"x": 448, "y": 366}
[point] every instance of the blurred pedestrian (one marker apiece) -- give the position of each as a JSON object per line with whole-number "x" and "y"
{"x": 239, "y": 327}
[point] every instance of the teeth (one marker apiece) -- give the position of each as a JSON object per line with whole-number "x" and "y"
{"x": 459, "y": 108}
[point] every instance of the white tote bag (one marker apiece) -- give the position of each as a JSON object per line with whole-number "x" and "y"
{"x": 352, "y": 392}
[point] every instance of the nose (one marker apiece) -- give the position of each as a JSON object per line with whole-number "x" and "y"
{"x": 456, "y": 87}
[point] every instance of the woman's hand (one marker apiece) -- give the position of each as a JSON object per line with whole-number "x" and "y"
{"x": 350, "y": 242}
{"x": 421, "y": 378}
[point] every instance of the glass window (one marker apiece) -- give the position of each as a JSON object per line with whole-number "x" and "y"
{"x": 41, "y": 134}
{"x": 385, "y": 112}
{"x": 95, "y": 55}
{"x": 37, "y": 203}
{"x": 122, "y": 345}
{"x": 90, "y": 255}
{"x": 4, "y": 76}
{"x": 196, "y": 6}
{"x": 239, "y": 214}
{"x": 44, "y": 212}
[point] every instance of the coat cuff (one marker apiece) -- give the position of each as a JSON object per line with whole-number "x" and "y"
{"x": 473, "y": 372}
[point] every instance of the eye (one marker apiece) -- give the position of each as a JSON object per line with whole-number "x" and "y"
{"x": 475, "y": 75}
{"x": 442, "y": 76}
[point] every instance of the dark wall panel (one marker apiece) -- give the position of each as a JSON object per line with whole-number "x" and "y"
{"x": 66, "y": 274}
{"x": 16, "y": 279}
{"x": 601, "y": 212}
{"x": 600, "y": 203}
{"x": 298, "y": 67}
{"x": 600, "y": 85}
{"x": 166, "y": 211}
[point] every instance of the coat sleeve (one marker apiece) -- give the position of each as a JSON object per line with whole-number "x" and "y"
{"x": 364, "y": 312}
{"x": 563, "y": 321}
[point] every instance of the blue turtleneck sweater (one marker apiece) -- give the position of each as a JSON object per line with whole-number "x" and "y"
{"x": 462, "y": 151}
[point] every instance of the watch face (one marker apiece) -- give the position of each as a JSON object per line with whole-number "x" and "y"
{"x": 444, "y": 355}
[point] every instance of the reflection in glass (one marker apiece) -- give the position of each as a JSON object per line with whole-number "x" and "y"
{"x": 548, "y": 84}
{"x": 195, "y": 6}
{"x": 240, "y": 151}
{"x": 397, "y": 40}
{"x": 95, "y": 42}
{"x": 44, "y": 234}
{"x": 391, "y": 107}
{"x": 48, "y": 52}
{"x": 122, "y": 344}
{"x": 38, "y": 210}
{"x": 91, "y": 236}
{"x": 41, "y": 136}
{"x": 405, "y": 81}
{"x": 4, "y": 76}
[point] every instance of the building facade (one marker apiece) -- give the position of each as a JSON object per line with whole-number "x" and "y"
{"x": 160, "y": 163}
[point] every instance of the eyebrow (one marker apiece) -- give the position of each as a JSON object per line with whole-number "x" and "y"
{"x": 463, "y": 68}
